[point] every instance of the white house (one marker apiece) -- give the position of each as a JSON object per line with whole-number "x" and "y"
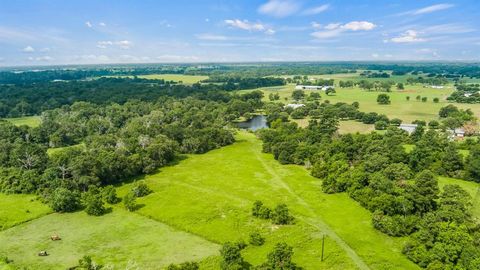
{"x": 456, "y": 133}
{"x": 409, "y": 128}
{"x": 314, "y": 87}
{"x": 294, "y": 106}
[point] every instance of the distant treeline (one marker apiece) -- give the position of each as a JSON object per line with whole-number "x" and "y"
{"x": 31, "y": 99}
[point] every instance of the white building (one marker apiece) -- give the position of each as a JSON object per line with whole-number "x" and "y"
{"x": 409, "y": 128}
{"x": 294, "y": 106}
{"x": 314, "y": 87}
{"x": 437, "y": 86}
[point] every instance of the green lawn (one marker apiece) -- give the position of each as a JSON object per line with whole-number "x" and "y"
{"x": 211, "y": 196}
{"x": 51, "y": 151}
{"x": 471, "y": 187}
{"x": 16, "y": 208}
{"x": 119, "y": 239}
{"x": 31, "y": 121}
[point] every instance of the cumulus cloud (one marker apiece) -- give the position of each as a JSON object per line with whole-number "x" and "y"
{"x": 88, "y": 24}
{"x": 336, "y": 29}
{"x": 28, "y": 49}
{"x": 410, "y": 36}
{"x": 316, "y": 10}
{"x": 279, "y": 8}
{"x": 431, "y": 9}
{"x": 246, "y": 25}
{"x": 102, "y": 24}
{"x": 124, "y": 44}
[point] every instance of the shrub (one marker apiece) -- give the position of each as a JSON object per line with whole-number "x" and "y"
{"x": 110, "y": 195}
{"x": 93, "y": 202}
{"x": 281, "y": 216}
{"x": 64, "y": 200}
{"x": 256, "y": 239}
{"x": 396, "y": 122}
{"x": 380, "y": 125}
{"x": 383, "y": 99}
{"x": 424, "y": 99}
{"x": 436, "y": 100}
{"x": 140, "y": 189}
{"x": 184, "y": 266}
{"x": 130, "y": 201}
{"x": 261, "y": 211}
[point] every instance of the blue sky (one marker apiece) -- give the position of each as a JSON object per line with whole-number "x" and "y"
{"x": 34, "y": 32}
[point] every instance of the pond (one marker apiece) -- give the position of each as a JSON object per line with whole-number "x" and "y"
{"x": 256, "y": 123}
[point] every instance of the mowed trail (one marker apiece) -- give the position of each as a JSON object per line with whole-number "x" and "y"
{"x": 315, "y": 220}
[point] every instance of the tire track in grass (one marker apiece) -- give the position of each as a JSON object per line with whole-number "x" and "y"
{"x": 317, "y": 221}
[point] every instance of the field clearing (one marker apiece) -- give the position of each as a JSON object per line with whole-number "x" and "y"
{"x": 471, "y": 187}
{"x": 211, "y": 196}
{"x": 51, "y": 151}
{"x": 186, "y": 79}
{"x": 18, "y": 208}
{"x": 31, "y": 121}
{"x": 400, "y": 108}
{"x": 348, "y": 126}
{"x": 119, "y": 238}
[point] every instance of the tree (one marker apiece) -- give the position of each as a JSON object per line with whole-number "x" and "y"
{"x": 256, "y": 239}
{"x": 424, "y": 192}
{"x": 298, "y": 94}
{"x": 130, "y": 201}
{"x": 315, "y": 95}
{"x": 434, "y": 124}
{"x": 110, "y": 194}
{"x": 86, "y": 263}
{"x": 381, "y": 125}
{"x": 64, "y": 200}
{"x": 281, "y": 216}
{"x": 329, "y": 91}
{"x": 452, "y": 161}
{"x": 184, "y": 266}
{"x": 472, "y": 164}
{"x": 383, "y": 99}
{"x": 436, "y": 100}
{"x": 447, "y": 111}
{"x": 407, "y": 98}
{"x": 424, "y": 99}
{"x": 280, "y": 259}
{"x": 400, "y": 86}
{"x": 232, "y": 258}
{"x": 418, "y": 98}
{"x": 93, "y": 202}
{"x": 261, "y": 211}
{"x": 396, "y": 122}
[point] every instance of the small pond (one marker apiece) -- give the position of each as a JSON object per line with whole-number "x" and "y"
{"x": 257, "y": 122}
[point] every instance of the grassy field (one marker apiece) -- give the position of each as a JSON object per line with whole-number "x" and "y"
{"x": 211, "y": 196}
{"x": 119, "y": 239}
{"x": 31, "y": 121}
{"x": 186, "y": 79}
{"x": 408, "y": 111}
{"x": 471, "y": 187}
{"x": 16, "y": 209}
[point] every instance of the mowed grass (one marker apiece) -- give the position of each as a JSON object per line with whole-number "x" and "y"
{"x": 31, "y": 121}
{"x": 18, "y": 208}
{"x": 186, "y": 79}
{"x": 211, "y": 195}
{"x": 121, "y": 239}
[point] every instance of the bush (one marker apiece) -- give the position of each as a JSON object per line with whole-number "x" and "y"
{"x": 281, "y": 216}
{"x": 261, "y": 211}
{"x": 110, "y": 195}
{"x": 256, "y": 239}
{"x": 130, "y": 201}
{"x": 93, "y": 202}
{"x": 184, "y": 266}
{"x": 381, "y": 125}
{"x": 424, "y": 99}
{"x": 64, "y": 200}
{"x": 396, "y": 122}
{"x": 436, "y": 100}
{"x": 383, "y": 99}
{"x": 140, "y": 189}
{"x": 433, "y": 124}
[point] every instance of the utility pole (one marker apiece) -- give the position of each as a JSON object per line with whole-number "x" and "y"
{"x": 323, "y": 245}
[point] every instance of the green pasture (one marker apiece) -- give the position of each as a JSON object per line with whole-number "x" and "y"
{"x": 119, "y": 239}
{"x": 18, "y": 208}
{"x": 31, "y": 121}
{"x": 186, "y": 79}
{"x": 211, "y": 195}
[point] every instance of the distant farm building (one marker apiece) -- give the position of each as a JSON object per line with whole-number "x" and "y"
{"x": 437, "y": 86}
{"x": 409, "y": 128}
{"x": 314, "y": 87}
{"x": 456, "y": 133}
{"x": 294, "y": 106}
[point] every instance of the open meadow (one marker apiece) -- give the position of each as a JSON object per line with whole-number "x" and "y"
{"x": 179, "y": 78}
{"x": 31, "y": 121}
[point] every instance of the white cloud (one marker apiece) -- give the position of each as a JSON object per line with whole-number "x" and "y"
{"x": 410, "y": 36}
{"x": 279, "y": 8}
{"x": 28, "y": 49}
{"x": 246, "y": 25}
{"x": 124, "y": 44}
{"x": 210, "y": 37}
{"x": 359, "y": 25}
{"x": 431, "y": 9}
{"x": 45, "y": 58}
{"x": 102, "y": 24}
{"x": 315, "y": 25}
{"x": 336, "y": 29}
{"x": 375, "y": 55}
{"x": 88, "y": 24}
{"x": 316, "y": 10}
